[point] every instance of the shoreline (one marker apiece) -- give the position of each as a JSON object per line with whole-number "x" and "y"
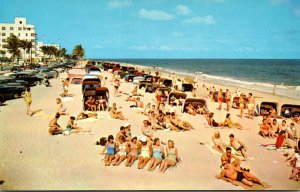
{"x": 208, "y": 83}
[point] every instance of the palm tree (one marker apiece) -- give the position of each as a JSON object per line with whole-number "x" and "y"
{"x": 2, "y": 52}
{"x": 23, "y": 45}
{"x": 12, "y": 46}
{"x": 29, "y": 46}
{"x": 78, "y": 51}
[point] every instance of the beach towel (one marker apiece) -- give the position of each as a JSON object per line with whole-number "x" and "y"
{"x": 273, "y": 147}
{"x": 43, "y": 115}
{"x": 65, "y": 99}
{"x": 254, "y": 187}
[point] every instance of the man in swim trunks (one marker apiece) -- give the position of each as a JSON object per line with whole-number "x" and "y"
{"x": 238, "y": 145}
{"x": 228, "y": 156}
{"x": 231, "y": 173}
{"x": 251, "y": 105}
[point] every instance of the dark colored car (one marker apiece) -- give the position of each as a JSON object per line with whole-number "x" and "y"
{"x": 5, "y": 79}
{"x": 31, "y": 79}
{"x": 8, "y": 92}
{"x": 21, "y": 88}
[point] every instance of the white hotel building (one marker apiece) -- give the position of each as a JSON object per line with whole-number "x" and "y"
{"x": 20, "y": 29}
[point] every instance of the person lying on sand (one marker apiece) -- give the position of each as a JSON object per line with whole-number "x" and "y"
{"x": 190, "y": 109}
{"x": 265, "y": 130}
{"x": 158, "y": 155}
{"x": 113, "y": 113}
{"x": 54, "y": 127}
{"x": 133, "y": 151}
{"x": 228, "y": 123}
{"x": 238, "y": 145}
{"x": 231, "y": 173}
{"x": 109, "y": 149}
{"x": 184, "y": 125}
{"x": 83, "y": 115}
{"x": 171, "y": 159}
{"x": 218, "y": 145}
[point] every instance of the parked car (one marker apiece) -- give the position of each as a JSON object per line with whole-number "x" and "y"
{"x": 49, "y": 72}
{"x": 31, "y": 79}
{"x": 9, "y": 92}
{"x": 7, "y": 79}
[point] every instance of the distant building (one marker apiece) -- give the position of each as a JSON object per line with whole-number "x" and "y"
{"x": 38, "y": 51}
{"x": 20, "y": 29}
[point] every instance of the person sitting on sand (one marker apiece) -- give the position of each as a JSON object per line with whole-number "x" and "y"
{"x": 283, "y": 126}
{"x": 168, "y": 123}
{"x": 202, "y": 109}
{"x": 115, "y": 114}
{"x": 212, "y": 122}
{"x": 228, "y": 156}
{"x": 218, "y": 145}
{"x": 231, "y": 173}
{"x": 238, "y": 145}
{"x": 190, "y": 109}
{"x": 228, "y": 123}
{"x": 162, "y": 107}
{"x": 147, "y": 130}
{"x": 158, "y": 155}
{"x": 139, "y": 103}
{"x": 121, "y": 149}
{"x": 145, "y": 152}
{"x": 73, "y": 128}
{"x": 273, "y": 112}
{"x": 133, "y": 148}
{"x": 91, "y": 104}
{"x": 122, "y": 132}
{"x": 153, "y": 120}
{"x": 295, "y": 175}
{"x": 110, "y": 149}
{"x": 54, "y": 127}
{"x": 65, "y": 85}
{"x": 184, "y": 125}
{"x": 282, "y": 141}
{"x": 147, "y": 109}
{"x": 83, "y": 115}
{"x": 275, "y": 127}
{"x": 171, "y": 157}
{"x": 128, "y": 134}
{"x": 291, "y": 132}
{"x": 102, "y": 103}
{"x": 160, "y": 118}
{"x": 265, "y": 130}
{"x": 172, "y": 108}
{"x": 61, "y": 109}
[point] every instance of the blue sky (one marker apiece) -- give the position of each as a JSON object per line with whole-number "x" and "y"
{"x": 165, "y": 28}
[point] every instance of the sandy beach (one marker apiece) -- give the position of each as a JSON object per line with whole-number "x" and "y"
{"x": 31, "y": 159}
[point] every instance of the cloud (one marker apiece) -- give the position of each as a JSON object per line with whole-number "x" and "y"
{"x": 155, "y": 15}
{"x": 182, "y": 10}
{"x": 208, "y": 20}
{"x": 117, "y": 4}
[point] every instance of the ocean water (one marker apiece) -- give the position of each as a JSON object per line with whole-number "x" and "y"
{"x": 253, "y": 74}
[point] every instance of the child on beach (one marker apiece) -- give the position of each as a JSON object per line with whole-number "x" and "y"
{"x": 110, "y": 149}
{"x": 61, "y": 109}
{"x": 73, "y": 128}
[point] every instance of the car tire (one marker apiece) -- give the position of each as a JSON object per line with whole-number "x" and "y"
{"x": 2, "y": 100}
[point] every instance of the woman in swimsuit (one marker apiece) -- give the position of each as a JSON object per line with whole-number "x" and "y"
{"x": 116, "y": 86}
{"x": 122, "y": 149}
{"x": 228, "y": 123}
{"x": 171, "y": 158}
{"x": 113, "y": 113}
{"x": 212, "y": 122}
{"x": 110, "y": 150}
{"x": 220, "y": 99}
{"x": 218, "y": 145}
{"x": 190, "y": 109}
{"x": 228, "y": 99}
{"x": 28, "y": 99}
{"x": 134, "y": 148}
{"x": 145, "y": 152}
{"x": 153, "y": 120}
{"x": 158, "y": 154}
{"x": 61, "y": 107}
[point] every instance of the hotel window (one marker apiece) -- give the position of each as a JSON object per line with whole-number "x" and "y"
{"x": 11, "y": 28}
{"x": 3, "y": 40}
{"x": 28, "y": 29}
{"x": 20, "y": 28}
{"x": 3, "y": 28}
{"x": 3, "y": 46}
{"x": 3, "y": 34}
{"x": 19, "y": 34}
{"x": 11, "y": 34}
{"x": 32, "y": 34}
{"x": 32, "y": 40}
{"x": 26, "y": 34}
{"x": 20, "y": 22}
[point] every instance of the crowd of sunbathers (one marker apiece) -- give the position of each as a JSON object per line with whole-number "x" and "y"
{"x": 147, "y": 151}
